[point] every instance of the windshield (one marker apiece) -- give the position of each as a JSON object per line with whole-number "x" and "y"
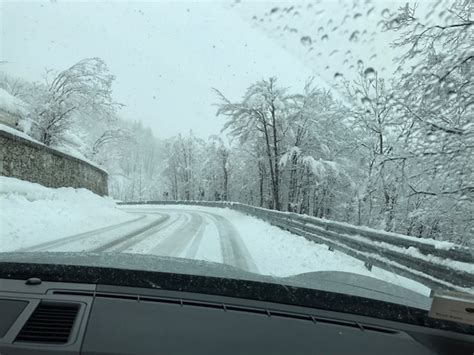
{"x": 324, "y": 144}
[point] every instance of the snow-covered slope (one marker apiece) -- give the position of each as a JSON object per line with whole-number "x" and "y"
{"x": 31, "y": 213}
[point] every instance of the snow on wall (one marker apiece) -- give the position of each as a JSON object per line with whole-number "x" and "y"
{"x": 28, "y": 160}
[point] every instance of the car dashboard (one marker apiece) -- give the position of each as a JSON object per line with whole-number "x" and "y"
{"x": 47, "y": 317}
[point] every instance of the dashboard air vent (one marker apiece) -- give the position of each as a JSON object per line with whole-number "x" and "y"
{"x": 50, "y": 323}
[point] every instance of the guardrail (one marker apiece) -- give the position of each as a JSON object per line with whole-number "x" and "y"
{"x": 435, "y": 264}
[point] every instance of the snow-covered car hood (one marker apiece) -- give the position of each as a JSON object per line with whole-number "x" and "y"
{"x": 331, "y": 281}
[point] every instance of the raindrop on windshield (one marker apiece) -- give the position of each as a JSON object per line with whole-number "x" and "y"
{"x": 306, "y": 40}
{"x": 452, "y": 94}
{"x": 365, "y": 100}
{"x": 354, "y": 36}
{"x": 369, "y": 73}
{"x": 324, "y": 38}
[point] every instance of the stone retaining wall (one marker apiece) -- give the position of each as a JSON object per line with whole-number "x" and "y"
{"x": 24, "y": 159}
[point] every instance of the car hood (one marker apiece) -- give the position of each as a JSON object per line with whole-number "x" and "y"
{"x": 330, "y": 281}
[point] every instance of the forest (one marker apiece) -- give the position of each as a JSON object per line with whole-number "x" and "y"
{"x": 388, "y": 152}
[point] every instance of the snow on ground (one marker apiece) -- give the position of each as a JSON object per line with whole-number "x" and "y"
{"x": 209, "y": 248}
{"x": 32, "y": 214}
{"x": 280, "y": 253}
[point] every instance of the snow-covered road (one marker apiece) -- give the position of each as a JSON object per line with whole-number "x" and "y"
{"x": 218, "y": 235}
{"x": 187, "y": 233}
{"x": 35, "y": 218}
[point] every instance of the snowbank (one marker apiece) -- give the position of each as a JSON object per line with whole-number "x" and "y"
{"x": 32, "y": 214}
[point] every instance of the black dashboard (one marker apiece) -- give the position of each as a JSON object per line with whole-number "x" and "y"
{"x": 38, "y": 316}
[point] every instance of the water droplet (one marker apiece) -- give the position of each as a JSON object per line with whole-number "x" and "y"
{"x": 293, "y": 30}
{"x": 452, "y": 94}
{"x": 354, "y": 36}
{"x": 369, "y": 71}
{"x": 274, "y": 10}
{"x": 365, "y": 100}
{"x": 385, "y": 12}
{"x": 306, "y": 40}
{"x": 357, "y": 15}
{"x": 360, "y": 63}
{"x": 324, "y": 38}
{"x": 394, "y": 23}
{"x": 338, "y": 76}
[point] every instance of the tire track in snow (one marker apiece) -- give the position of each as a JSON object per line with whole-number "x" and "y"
{"x": 77, "y": 237}
{"x": 196, "y": 242}
{"x": 153, "y": 237}
{"x": 176, "y": 242}
{"x": 131, "y": 245}
{"x": 233, "y": 249}
{"x": 131, "y": 238}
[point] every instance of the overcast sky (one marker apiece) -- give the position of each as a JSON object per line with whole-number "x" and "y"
{"x": 167, "y": 56}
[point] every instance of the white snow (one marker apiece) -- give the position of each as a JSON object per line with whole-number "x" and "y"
{"x": 17, "y": 133}
{"x": 32, "y": 214}
{"x": 11, "y": 104}
{"x": 280, "y": 253}
{"x": 437, "y": 244}
{"x": 416, "y": 254}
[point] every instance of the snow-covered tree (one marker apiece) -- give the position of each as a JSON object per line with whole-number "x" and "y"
{"x": 260, "y": 116}
{"x": 85, "y": 87}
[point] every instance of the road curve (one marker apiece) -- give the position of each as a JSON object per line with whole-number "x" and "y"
{"x": 189, "y": 238}
{"x": 167, "y": 231}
